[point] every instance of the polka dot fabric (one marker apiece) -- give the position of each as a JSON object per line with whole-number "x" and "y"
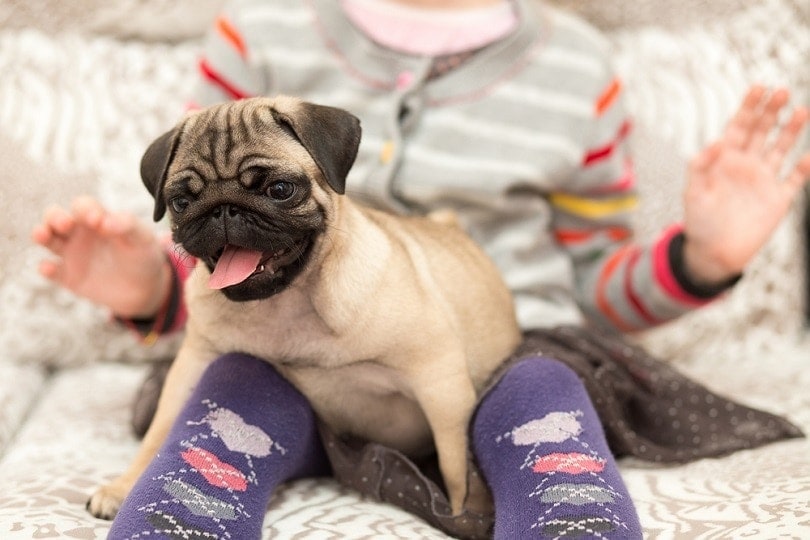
{"x": 650, "y": 410}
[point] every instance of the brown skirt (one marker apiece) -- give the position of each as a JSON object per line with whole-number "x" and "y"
{"x": 648, "y": 409}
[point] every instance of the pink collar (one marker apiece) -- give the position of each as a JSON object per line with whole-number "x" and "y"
{"x": 430, "y": 32}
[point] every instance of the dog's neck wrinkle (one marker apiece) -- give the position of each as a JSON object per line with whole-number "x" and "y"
{"x": 355, "y": 263}
{"x": 293, "y": 304}
{"x": 302, "y": 296}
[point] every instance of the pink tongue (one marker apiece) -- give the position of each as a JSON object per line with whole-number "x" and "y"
{"x": 234, "y": 266}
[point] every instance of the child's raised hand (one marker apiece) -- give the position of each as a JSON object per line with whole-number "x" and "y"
{"x": 737, "y": 193}
{"x": 109, "y": 258}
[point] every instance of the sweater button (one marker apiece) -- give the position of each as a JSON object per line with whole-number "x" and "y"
{"x": 404, "y": 80}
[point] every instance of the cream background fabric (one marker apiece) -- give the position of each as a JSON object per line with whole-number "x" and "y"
{"x": 87, "y": 85}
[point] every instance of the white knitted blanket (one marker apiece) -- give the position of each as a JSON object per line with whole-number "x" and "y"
{"x": 85, "y": 86}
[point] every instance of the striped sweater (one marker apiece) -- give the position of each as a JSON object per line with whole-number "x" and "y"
{"x": 526, "y": 140}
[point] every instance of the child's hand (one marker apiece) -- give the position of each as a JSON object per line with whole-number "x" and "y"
{"x": 109, "y": 258}
{"x": 736, "y": 195}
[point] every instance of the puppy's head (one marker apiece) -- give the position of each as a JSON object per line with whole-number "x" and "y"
{"x": 250, "y": 185}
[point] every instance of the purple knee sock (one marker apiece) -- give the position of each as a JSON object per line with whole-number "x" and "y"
{"x": 543, "y": 452}
{"x": 244, "y": 431}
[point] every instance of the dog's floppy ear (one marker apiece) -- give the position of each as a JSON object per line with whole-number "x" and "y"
{"x": 330, "y": 135}
{"x": 154, "y": 165}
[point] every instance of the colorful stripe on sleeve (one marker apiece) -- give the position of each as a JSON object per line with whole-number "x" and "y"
{"x": 224, "y": 67}
{"x": 663, "y": 270}
{"x": 215, "y": 78}
{"x": 591, "y": 207}
{"x": 635, "y": 288}
{"x": 600, "y": 153}
{"x": 231, "y": 35}
{"x": 609, "y": 270}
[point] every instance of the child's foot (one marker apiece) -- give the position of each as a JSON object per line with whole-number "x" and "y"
{"x": 243, "y": 431}
{"x": 543, "y": 452}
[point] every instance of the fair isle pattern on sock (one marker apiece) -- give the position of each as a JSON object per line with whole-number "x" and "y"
{"x": 542, "y": 450}
{"x": 244, "y": 431}
{"x": 220, "y": 499}
{"x": 576, "y": 507}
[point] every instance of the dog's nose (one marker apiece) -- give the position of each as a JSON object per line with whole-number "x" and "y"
{"x": 225, "y": 210}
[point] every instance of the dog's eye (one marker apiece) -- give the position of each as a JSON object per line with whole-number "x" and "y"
{"x": 281, "y": 190}
{"x": 179, "y": 204}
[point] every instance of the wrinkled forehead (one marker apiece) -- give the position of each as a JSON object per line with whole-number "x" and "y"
{"x": 222, "y": 141}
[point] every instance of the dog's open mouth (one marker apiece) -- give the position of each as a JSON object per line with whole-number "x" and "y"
{"x": 236, "y": 264}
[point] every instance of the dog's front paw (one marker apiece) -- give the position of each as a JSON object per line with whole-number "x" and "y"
{"x": 106, "y": 501}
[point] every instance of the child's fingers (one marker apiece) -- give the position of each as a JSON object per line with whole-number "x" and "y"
{"x": 799, "y": 176}
{"x": 116, "y": 224}
{"x": 50, "y": 270}
{"x": 44, "y": 236}
{"x": 59, "y": 220}
{"x": 767, "y": 119}
{"x": 738, "y": 130}
{"x": 126, "y": 228}
{"x": 89, "y": 211}
{"x": 41, "y": 234}
{"x": 786, "y": 139}
{"x": 706, "y": 158}
{"x": 56, "y": 224}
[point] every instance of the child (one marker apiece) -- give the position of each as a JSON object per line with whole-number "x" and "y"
{"x": 507, "y": 112}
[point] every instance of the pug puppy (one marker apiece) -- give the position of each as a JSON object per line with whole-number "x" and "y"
{"x": 389, "y": 325}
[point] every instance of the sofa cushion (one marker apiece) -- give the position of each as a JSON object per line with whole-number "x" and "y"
{"x": 20, "y": 387}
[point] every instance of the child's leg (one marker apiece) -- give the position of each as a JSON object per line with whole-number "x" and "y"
{"x": 543, "y": 452}
{"x": 244, "y": 431}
